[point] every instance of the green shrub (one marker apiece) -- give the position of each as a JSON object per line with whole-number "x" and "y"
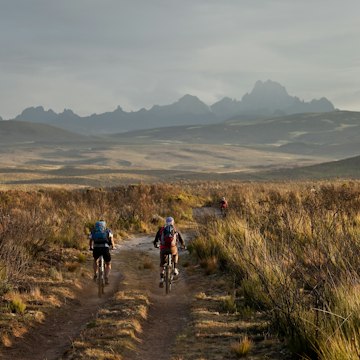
{"x": 16, "y": 305}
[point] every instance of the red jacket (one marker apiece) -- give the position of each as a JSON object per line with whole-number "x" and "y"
{"x": 223, "y": 204}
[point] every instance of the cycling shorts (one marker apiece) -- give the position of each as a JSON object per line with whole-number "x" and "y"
{"x": 165, "y": 252}
{"x": 104, "y": 251}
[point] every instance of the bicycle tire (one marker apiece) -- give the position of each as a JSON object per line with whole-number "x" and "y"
{"x": 168, "y": 274}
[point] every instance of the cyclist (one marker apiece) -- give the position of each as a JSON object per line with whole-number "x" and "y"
{"x": 101, "y": 239}
{"x": 168, "y": 236}
{"x": 223, "y": 205}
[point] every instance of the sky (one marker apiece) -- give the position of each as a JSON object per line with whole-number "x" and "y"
{"x": 92, "y": 56}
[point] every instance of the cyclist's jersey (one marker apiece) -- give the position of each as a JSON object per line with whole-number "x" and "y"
{"x": 223, "y": 204}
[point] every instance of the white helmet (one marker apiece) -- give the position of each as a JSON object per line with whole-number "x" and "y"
{"x": 169, "y": 221}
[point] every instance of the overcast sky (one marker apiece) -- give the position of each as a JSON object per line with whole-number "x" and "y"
{"x": 93, "y": 55}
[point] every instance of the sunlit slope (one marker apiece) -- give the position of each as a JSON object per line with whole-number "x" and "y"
{"x": 15, "y": 132}
{"x": 341, "y": 169}
{"x": 336, "y": 133}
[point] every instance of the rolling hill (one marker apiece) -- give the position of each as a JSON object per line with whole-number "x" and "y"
{"x": 20, "y": 132}
{"x": 342, "y": 169}
{"x": 336, "y": 134}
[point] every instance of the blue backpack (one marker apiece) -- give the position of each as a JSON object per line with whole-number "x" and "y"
{"x": 100, "y": 234}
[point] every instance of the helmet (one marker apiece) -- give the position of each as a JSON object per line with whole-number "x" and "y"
{"x": 101, "y": 224}
{"x": 223, "y": 198}
{"x": 169, "y": 221}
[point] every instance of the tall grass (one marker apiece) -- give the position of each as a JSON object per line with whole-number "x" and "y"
{"x": 295, "y": 254}
{"x": 292, "y": 248}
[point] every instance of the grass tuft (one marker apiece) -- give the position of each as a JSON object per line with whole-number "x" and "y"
{"x": 17, "y": 305}
{"x": 242, "y": 347}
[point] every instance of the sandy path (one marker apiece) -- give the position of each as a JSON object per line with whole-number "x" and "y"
{"x": 168, "y": 314}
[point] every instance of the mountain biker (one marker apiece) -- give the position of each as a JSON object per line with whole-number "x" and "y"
{"x": 223, "y": 204}
{"x": 101, "y": 239}
{"x": 168, "y": 247}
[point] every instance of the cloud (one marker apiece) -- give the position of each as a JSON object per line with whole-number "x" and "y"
{"x": 139, "y": 52}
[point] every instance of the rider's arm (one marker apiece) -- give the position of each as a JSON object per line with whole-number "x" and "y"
{"x": 111, "y": 239}
{"x": 157, "y": 238}
{"x": 90, "y": 241}
{"x": 181, "y": 240}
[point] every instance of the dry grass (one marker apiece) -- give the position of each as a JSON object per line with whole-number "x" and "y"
{"x": 242, "y": 347}
{"x": 213, "y": 330}
{"x": 292, "y": 251}
{"x": 37, "y": 295}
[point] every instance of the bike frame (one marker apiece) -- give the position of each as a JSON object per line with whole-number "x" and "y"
{"x": 101, "y": 275}
{"x": 169, "y": 272}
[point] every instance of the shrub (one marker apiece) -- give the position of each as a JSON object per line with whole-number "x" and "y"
{"x": 16, "y": 305}
{"x": 228, "y": 304}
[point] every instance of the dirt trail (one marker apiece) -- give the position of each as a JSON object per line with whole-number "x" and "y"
{"x": 168, "y": 313}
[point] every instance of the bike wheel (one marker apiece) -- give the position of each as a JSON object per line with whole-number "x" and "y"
{"x": 167, "y": 280}
{"x": 168, "y": 275}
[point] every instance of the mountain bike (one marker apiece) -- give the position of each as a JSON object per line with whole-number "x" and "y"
{"x": 223, "y": 212}
{"x": 101, "y": 276}
{"x": 168, "y": 272}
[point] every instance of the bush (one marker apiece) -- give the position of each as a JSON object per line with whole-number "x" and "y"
{"x": 16, "y": 305}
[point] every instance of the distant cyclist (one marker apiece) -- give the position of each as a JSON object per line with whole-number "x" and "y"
{"x": 101, "y": 239}
{"x": 168, "y": 236}
{"x": 223, "y": 206}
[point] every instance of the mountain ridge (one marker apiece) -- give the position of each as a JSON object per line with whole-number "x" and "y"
{"x": 265, "y": 100}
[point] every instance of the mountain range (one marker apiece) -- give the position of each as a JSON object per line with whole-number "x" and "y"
{"x": 267, "y": 99}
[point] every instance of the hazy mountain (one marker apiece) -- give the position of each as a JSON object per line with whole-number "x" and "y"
{"x": 266, "y": 99}
{"x": 187, "y": 110}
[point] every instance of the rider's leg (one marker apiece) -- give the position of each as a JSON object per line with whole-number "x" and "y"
{"x": 107, "y": 259}
{"x": 175, "y": 261}
{"x": 95, "y": 256}
{"x": 95, "y": 268}
{"x": 162, "y": 263}
{"x": 107, "y": 271}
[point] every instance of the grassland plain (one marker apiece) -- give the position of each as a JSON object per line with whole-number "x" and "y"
{"x": 291, "y": 249}
{"x": 82, "y": 165}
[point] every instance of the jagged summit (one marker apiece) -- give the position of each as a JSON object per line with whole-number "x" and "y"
{"x": 192, "y": 104}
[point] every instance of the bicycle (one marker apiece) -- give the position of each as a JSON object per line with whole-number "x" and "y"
{"x": 223, "y": 212}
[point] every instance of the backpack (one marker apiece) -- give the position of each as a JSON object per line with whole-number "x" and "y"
{"x": 100, "y": 233}
{"x": 168, "y": 236}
